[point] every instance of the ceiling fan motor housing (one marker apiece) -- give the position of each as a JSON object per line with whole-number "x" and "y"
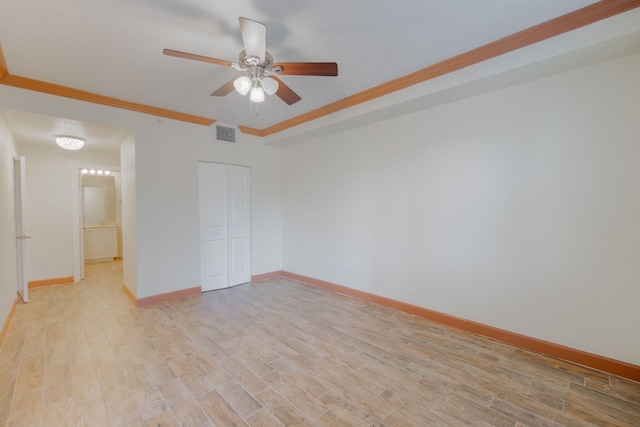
{"x": 248, "y": 62}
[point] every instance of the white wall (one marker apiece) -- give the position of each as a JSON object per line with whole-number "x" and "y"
{"x": 167, "y": 156}
{"x": 129, "y": 232}
{"x": 7, "y": 225}
{"x": 164, "y": 258}
{"x": 50, "y": 186}
{"x": 518, "y": 209}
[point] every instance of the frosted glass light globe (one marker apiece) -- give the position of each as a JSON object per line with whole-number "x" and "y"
{"x": 257, "y": 94}
{"x": 242, "y": 85}
{"x": 270, "y": 85}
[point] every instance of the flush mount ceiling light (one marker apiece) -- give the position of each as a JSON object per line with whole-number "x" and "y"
{"x": 70, "y": 142}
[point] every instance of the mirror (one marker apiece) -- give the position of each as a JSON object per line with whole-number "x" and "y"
{"x": 95, "y": 205}
{"x": 99, "y": 200}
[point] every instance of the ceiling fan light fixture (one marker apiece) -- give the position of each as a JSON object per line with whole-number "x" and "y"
{"x": 270, "y": 86}
{"x": 257, "y": 94}
{"x": 69, "y": 142}
{"x": 259, "y": 67}
{"x": 242, "y": 85}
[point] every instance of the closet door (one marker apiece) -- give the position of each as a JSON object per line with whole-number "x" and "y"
{"x": 224, "y": 225}
{"x": 239, "y": 229}
{"x": 214, "y": 261}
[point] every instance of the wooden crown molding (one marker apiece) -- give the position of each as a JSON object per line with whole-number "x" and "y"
{"x": 251, "y": 131}
{"x": 4, "y": 71}
{"x": 546, "y": 30}
{"x": 81, "y": 95}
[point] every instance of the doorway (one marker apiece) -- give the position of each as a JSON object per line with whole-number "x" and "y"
{"x": 225, "y": 232}
{"x": 102, "y": 218}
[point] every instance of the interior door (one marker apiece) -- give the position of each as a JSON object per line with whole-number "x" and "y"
{"x": 21, "y": 233}
{"x": 80, "y": 257}
{"x": 239, "y": 225}
{"x": 225, "y": 241}
{"x": 214, "y": 261}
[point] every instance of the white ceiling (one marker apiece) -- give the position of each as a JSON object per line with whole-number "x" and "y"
{"x": 114, "y": 48}
{"x": 35, "y": 129}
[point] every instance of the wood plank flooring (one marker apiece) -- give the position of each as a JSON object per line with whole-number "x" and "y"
{"x": 277, "y": 353}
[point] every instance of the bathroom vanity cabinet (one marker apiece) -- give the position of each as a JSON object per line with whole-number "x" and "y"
{"x": 101, "y": 243}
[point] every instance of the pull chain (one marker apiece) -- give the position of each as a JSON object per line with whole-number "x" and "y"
{"x": 251, "y": 104}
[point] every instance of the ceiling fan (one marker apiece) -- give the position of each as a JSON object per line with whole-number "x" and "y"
{"x": 259, "y": 68}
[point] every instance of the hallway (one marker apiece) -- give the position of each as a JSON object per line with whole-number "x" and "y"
{"x": 276, "y": 353}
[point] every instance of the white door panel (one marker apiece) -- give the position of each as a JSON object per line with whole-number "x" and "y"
{"x": 224, "y": 225}
{"x": 215, "y": 254}
{"x": 215, "y": 182}
{"x": 21, "y": 228}
{"x": 237, "y": 256}
{"x": 213, "y": 218}
{"x": 239, "y": 230}
{"x": 238, "y": 188}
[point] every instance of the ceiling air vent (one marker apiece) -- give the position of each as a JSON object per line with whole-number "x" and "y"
{"x": 226, "y": 134}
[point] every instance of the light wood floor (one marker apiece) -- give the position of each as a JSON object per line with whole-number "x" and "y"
{"x": 277, "y": 353}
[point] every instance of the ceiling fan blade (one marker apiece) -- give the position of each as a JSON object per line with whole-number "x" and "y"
{"x": 195, "y": 57}
{"x": 285, "y": 93}
{"x": 308, "y": 68}
{"x": 225, "y": 89}
{"x": 254, "y": 38}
